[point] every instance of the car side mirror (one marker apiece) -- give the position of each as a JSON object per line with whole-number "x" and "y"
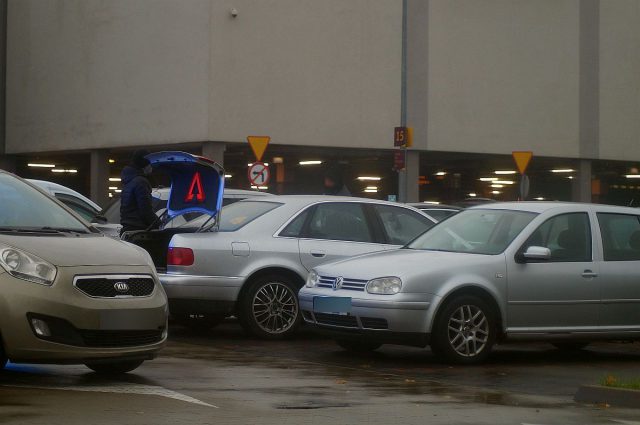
{"x": 99, "y": 219}
{"x": 533, "y": 254}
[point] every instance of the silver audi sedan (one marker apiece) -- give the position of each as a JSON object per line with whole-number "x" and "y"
{"x": 566, "y": 273}
{"x": 253, "y": 265}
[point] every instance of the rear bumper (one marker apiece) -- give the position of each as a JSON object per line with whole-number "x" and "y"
{"x": 201, "y": 294}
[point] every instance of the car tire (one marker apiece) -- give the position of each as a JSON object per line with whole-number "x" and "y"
{"x": 115, "y": 368}
{"x": 3, "y": 356}
{"x": 269, "y": 309}
{"x": 199, "y": 322}
{"x": 464, "y": 331}
{"x": 358, "y": 346}
{"x": 570, "y": 346}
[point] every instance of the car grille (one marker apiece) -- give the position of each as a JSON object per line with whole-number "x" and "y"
{"x": 105, "y": 286}
{"x": 104, "y": 339}
{"x": 374, "y": 323}
{"x": 336, "y": 320}
{"x": 348, "y": 284}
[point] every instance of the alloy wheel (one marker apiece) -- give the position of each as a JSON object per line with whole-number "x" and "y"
{"x": 275, "y": 308}
{"x": 468, "y": 330}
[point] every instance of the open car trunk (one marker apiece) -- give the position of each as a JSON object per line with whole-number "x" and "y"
{"x": 197, "y": 186}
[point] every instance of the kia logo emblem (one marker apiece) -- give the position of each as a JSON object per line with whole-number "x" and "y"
{"x": 121, "y": 287}
{"x": 337, "y": 284}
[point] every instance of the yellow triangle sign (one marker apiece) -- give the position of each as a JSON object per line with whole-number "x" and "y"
{"x": 522, "y": 159}
{"x": 258, "y": 145}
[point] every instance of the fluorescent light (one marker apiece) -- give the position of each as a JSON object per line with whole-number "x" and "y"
{"x": 441, "y": 173}
{"x": 488, "y": 179}
{"x": 539, "y": 198}
{"x": 113, "y": 187}
{"x": 41, "y": 165}
{"x": 62, "y": 170}
{"x": 504, "y": 172}
{"x": 110, "y": 195}
{"x": 371, "y": 190}
{"x": 503, "y": 181}
{"x": 570, "y": 177}
{"x": 114, "y": 179}
{"x": 497, "y": 186}
{"x": 496, "y": 192}
{"x": 251, "y": 163}
{"x": 369, "y": 178}
{"x": 472, "y": 195}
{"x": 118, "y": 190}
{"x": 371, "y": 187}
{"x": 633, "y": 176}
{"x": 431, "y": 202}
{"x": 563, "y": 170}
{"x": 111, "y": 161}
{"x": 260, "y": 187}
{"x": 313, "y": 162}
{"x": 228, "y": 176}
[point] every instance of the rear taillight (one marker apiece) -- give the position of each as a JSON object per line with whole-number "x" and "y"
{"x": 180, "y": 257}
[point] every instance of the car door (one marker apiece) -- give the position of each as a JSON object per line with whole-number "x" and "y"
{"x": 337, "y": 230}
{"x": 620, "y": 270}
{"x": 401, "y": 225}
{"x": 562, "y": 293}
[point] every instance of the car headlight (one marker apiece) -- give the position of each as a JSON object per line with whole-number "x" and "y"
{"x": 384, "y": 286}
{"x": 312, "y": 279}
{"x": 26, "y": 266}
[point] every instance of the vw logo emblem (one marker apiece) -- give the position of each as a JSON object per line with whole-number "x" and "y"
{"x": 121, "y": 287}
{"x": 337, "y": 284}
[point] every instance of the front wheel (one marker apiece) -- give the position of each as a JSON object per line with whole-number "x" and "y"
{"x": 115, "y": 368}
{"x": 269, "y": 307}
{"x": 464, "y": 331}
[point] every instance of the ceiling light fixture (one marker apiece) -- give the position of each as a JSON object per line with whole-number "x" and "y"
{"x": 563, "y": 170}
{"x": 369, "y": 178}
{"x": 114, "y": 179}
{"x": 488, "y": 179}
{"x": 504, "y": 172}
{"x": 633, "y": 176}
{"x": 312, "y": 162}
{"x": 35, "y": 165}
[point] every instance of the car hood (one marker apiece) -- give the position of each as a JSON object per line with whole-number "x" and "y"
{"x": 71, "y": 251}
{"x": 403, "y": 263}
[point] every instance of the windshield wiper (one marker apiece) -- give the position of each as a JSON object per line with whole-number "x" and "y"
{"x": 62, "y": 230}
{"x": 26, "y": 230}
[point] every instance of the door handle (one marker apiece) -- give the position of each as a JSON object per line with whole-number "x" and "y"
{"x": 589, "y": 273}
{"x": 318, "y": 254}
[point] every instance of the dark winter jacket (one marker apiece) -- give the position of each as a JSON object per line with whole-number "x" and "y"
{"x": 136, "y": 209}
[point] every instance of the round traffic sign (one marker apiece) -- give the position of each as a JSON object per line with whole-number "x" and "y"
{"x": 259, "y": 174}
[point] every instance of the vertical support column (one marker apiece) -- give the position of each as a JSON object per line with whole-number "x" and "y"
{"x": 214, "y": 151}
{"x": 100, "y": 177}
{"x": 581, "y": 185}
{"x": 412, "y": 175}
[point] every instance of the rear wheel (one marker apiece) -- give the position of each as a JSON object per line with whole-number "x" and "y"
{"x": 269, "y": 307}
{"x": 115, "y": 368}
{"x": 464, "y": 331}
{"x": 358, "y": 346}
{"x": 570, "y": 346}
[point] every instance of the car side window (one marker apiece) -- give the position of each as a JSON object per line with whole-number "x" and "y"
{"x": 294, "y": 228}
{"x": 620, "y": 236}
{"x": 401, "y": 224}
{"x": 340, "y": 221}
{"x": 78, "y": 205}
{"x": 568, "y": 237}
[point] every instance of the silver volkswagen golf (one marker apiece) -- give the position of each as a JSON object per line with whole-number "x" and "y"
{"x": 559, "y": 272}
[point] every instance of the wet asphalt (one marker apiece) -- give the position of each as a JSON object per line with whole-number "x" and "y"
{"x": 223, "y": 377}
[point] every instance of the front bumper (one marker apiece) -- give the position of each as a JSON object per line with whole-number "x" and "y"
{"x": 82, "y": 328}
{"x": 396, "y": 319}
{"x": 201, "y": 294}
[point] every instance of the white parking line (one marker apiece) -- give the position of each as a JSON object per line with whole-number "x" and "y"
{"x": 122, "y": 388}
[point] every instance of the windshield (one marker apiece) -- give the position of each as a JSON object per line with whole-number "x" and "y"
{"x": 475, "y": 231}
{"x": 24, "y": 208}
{"x": 236, "y": 215}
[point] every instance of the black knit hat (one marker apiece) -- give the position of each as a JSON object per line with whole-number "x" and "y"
{"x": 138, "y": 160}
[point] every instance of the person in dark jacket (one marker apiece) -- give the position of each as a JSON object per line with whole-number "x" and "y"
{"x": 136, "y": 208}
{"x": 334, "y": 183}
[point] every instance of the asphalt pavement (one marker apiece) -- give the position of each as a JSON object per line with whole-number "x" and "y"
{"x": 223, "y": 377}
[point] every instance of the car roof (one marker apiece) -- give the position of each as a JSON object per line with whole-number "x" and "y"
{"x": 51, "y": 186}
{"x": 310, "y": 199}
{"x": 543, "y": 206}
{"x": 428, "y": 205}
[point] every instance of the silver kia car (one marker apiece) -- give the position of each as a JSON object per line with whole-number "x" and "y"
{"x": 566, "y": 273}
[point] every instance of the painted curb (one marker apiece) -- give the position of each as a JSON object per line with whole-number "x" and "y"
{"x": 618, "y": 397}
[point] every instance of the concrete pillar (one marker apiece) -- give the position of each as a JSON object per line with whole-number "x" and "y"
{"x": 214, "y": 151}
{"x": 581, "y": 185}
{"x": 100, "y": 177}
{"x": 412, "y": 176}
